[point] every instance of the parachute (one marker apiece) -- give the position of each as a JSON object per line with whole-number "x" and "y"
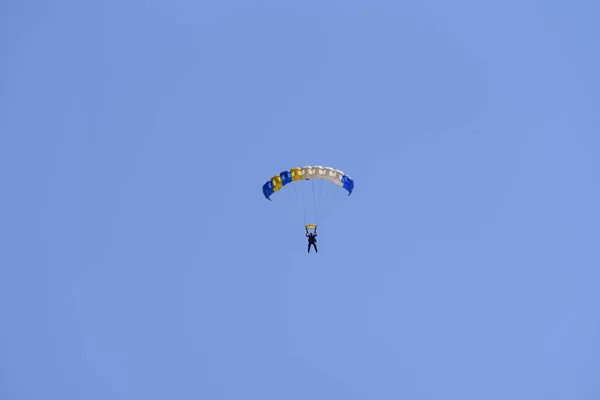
{"x": 316, "y": 190}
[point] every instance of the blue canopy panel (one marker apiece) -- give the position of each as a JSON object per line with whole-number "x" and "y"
{"x": 286, "y": 177}
{"x": 268, "y": 190}
{"x": 348, "y": 184}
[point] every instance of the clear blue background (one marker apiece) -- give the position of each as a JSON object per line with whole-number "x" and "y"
{"x": 139, "y": 259}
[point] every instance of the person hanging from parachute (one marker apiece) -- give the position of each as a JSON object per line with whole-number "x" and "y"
{"x": 312, "y": 239}
{"x": 333, "y": 185}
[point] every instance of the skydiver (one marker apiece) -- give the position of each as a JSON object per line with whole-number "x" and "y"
{"x": 312, "y": 240}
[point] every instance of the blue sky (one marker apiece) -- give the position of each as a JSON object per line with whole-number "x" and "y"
{"x": 139, "y": 259}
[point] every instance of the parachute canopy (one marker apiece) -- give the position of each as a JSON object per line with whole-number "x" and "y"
{"x": 316, "y": 199}
{"x": 334, "y": 176}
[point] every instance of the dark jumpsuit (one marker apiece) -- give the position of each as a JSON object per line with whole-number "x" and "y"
{"x": 312, "y": 240}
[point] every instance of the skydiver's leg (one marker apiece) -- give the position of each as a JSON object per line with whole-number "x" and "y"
{"x": 309, "y": 247}
{"x": 316, "y": 250}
